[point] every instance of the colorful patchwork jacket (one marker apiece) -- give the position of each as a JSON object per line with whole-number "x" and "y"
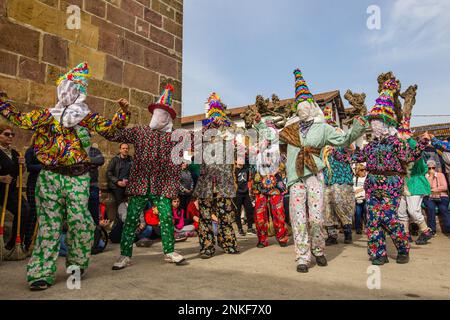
{"x": 340, "y": 170}
{"x": 56, "y": 145}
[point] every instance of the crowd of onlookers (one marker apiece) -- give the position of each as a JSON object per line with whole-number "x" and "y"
{"x": 185, "y": 207}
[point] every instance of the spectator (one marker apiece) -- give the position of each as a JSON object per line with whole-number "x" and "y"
{"x": 143, "y": 233}
{"x": 9, "y": 171}
{"x": 443, "y": 148}
{"x": 34, "y": 168}
{"x": 97, "y": 160}
{"x": 438, "y": 198}
{"x": 360, "y": 197}
{"x": 151, "y": 216}
{"x": 242, "y": 176}
{"x": 195, "y": 171}
{"x": 193, "y": 213}
{"x": 118, "y": 173}
{"x": 182, "y": 230}
{"x": 186, "y": 187}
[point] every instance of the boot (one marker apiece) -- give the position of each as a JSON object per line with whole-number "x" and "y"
{"x": 348, "y": 234}
{"x": 402, "y": 258}
{"x": 331, "y": 241}
{"x": 380, "y": 261}
{"x": 321, "y": 261}
{"x": 302, "y": 268}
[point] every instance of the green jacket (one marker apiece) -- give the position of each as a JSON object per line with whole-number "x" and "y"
{"x": 319, "y": 135}
{"x": 416, "y": 181}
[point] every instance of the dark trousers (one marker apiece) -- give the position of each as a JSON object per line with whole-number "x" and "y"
{"x": 94, "y": 204}
{"x": 244, "y": 199}
{"x": 360, "y": 215}
{"x": 286, "y": 209}
{"x": 12, "y": 206}
{"x": 184, "y": 201}
{"x": 431, "y": 205}
{"x": 119, "y": 195}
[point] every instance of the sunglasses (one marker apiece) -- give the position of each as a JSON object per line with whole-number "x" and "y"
{"x": 9, "y": 134}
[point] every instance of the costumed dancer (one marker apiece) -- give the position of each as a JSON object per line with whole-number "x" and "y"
{"x": 306, "y": 137}
{"x": 61, "y": 144}
{"x": 384, "y": 157}
{"x": 269, "y": 188}
{"x": 153, "y": 177}
{"x": 339, "y": 198}
{"x": 215, "y": 189}
{"x": 416, "y": 188}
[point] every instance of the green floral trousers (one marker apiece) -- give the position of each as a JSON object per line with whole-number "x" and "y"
{"x": 60, "y": 199}
{"x": 136, "y": 207}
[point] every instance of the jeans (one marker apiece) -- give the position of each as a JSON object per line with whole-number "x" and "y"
{"x": 244, "y": 199}
{"x": 146, "y": 233}
{"x": 431, "y": 205}
{"x": 360, "y": 214}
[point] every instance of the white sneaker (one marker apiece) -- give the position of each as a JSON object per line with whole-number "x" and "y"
{"x": 175, "y": 257}
{"x": 121, "y": 263}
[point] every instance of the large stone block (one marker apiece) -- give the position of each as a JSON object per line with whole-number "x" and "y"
{"x": 175, "y": 4}
{"x": 179, "y": 45}
{"x": 17, "y": 89}
{"x": 96, "y": 7}
{"x": 120, "y": 17}
{"x": 135, "y": 116}
{"x": 114, "y": 70}
{"x": 52, "y": 3}
{"x": 88, "y": 35}
{"x": 140, "y": 78}
{"x": 163, "y": 9}
{"x": 150, "y": 44}
{"x": 111, "y": 43}
{"x": 133, "y": 52}
{"x": 160, "y": 63}
{"x": 134, "y": 8}
{"x": 146, "y": 3}
{"x": 163, "y": 38}
{"x": 55, "y": 50}
{"x": 32, "y": 70}
{"x": 95, "y": 59}
{"x": 142, "y": 28}
{"x": 107, "y": 90}
{"x": 8, "y": 63}
{"x": 19, "y": 39}
{"x": 95, "y": 104}
{"x": 104, "y": 25}
{"x": 42, "y": 95}
{"x": 141, "y": 99}
{"x": 173, "y": 27}
{"x": 153, "y": 17}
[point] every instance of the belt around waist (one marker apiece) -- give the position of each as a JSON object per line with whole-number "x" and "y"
{"x": 387, "y": 173}
{"x": 71, "y": 171}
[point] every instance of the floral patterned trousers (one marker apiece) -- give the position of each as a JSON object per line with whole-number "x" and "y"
{"x": 307, "y": 221}
{"x": 223, "y": 208}
{"x": 262, "y": 218}
{"x": 61, "y": 198}
{"x": 136, "y": 207}
{"x": 383, "y": 199}
{"x": 339, "y": 202}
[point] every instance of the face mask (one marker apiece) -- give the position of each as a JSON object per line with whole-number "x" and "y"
{"x": 161, "y": 120}
{"x": 379, "y": 128}
{"x": 68, "y": 93}
{"x": 306, "y": 111}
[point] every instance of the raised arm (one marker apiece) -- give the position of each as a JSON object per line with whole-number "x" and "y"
{"x": 440, "y": 145}
{"x": 28, "y": 121}
{"x": 337, "y": 139}
{"x": 410, "y": 150}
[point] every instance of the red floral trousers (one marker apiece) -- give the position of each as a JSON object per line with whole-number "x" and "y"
{"x": 278, "y": 217}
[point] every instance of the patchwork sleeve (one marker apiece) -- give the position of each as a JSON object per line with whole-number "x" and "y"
{"x": 408, "y": 154}
{"x": 28, "y": 121}
{"x": 440, "y": 145}
{"x": 104, "y": 126}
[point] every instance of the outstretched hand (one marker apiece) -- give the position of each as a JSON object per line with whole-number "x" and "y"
{"x": 426, "y": 136}
{"x": 3, "y": 94}
{"x": 124, "y": 104}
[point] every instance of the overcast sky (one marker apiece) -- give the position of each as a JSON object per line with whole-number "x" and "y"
{"x": 241, "y": 48}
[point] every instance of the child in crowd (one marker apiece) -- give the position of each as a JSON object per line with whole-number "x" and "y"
{"x": 182, "y": 230}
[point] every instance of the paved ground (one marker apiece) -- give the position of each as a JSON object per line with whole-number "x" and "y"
{"x": 268, "y": 273}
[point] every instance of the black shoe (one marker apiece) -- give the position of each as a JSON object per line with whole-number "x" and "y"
{"x": 39, "y": 285}
{"x": 348, "y": 234}
{"x": 251, "y": 231}
{"x": 331, "y": 241}
{"x": 380, "y": 261}
{"x": 302, "y": 268}
{"x": 206, "y": 255}
{"x": 358, "y": 231}
{"x": 423, "y": 238}
{"x": 321, "y": 261}
{"x": 283, "y": 244}
{"x": 402, "y": 258}
{"x": 241, "y": 232}
{"x": 260, "y": 245}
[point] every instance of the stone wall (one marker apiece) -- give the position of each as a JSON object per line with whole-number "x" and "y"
{"x": 134, "y": 48}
